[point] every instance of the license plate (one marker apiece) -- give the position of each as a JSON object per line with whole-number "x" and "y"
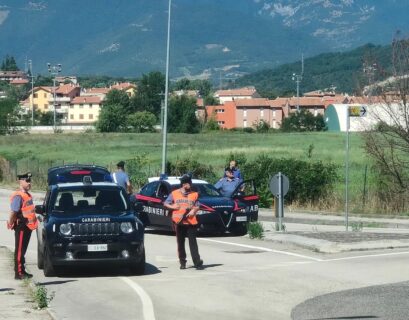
{"x": 241, "y": 219}
{"x": 97, "y": 247}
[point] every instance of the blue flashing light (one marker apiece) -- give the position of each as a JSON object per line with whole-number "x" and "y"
{"x": 108, "y": 178}
{"x": 61, "y": 179}
{"x": 163, "y": 176}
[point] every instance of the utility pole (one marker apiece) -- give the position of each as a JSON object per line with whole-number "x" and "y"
{"x": 54, "y": 71}
{"x": 30, "y": 64}
{"x": 369, "y": 70}
{"x": 297, "y": 78}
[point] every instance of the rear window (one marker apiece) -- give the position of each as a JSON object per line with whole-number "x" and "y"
{"x": 90, "y": 200}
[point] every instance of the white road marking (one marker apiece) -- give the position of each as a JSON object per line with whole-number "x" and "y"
{"x": 147, "y": 305}
{"x": 262, "y": 249}
{"x": 368, "y": 256}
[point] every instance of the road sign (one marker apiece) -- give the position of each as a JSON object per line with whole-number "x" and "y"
{"x": 357, "y": 110}
{"x": 275, "y": 184}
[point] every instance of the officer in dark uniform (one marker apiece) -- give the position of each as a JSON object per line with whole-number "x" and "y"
{"x": 23, "y": 221}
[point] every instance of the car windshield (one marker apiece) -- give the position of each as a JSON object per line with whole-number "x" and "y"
{"x": 92, "y": 199}
{"x": 204, "y": 189}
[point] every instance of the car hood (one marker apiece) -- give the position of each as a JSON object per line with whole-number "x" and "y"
{"x": 217, "y": 203}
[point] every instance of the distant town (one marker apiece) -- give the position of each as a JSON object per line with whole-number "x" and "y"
{"x": 236, "y": 108}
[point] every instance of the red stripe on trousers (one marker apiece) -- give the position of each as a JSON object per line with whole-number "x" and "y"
{"x": 19, "y": 249}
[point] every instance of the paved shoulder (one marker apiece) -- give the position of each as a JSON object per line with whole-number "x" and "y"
{"x": 376, "y": 302}
{"x": 16, "y": 301}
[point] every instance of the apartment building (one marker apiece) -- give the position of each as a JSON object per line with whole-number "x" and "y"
{"x": 235, "y": 94}
{"x": 84, "y": 110}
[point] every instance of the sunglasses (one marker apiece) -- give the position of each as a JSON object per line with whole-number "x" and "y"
{"x": 27, "y": 180}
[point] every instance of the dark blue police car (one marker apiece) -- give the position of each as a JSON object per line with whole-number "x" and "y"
{"x": 216, "y": 214}
{"x": 87, "y": 219}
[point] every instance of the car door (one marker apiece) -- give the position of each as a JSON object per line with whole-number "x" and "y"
{"x": 147, "y": 203}
{"x": 164, "y": 215}
{"x": 246, "y": 201}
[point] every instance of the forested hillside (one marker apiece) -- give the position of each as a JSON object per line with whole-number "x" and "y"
{"x": 343, "y": 70}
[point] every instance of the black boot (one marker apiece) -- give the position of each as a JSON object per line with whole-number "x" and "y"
{"x": 199, "y": 264}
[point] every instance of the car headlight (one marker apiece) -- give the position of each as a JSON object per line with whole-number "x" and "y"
{"x": 199, "y": 212}
{"x": 65, "y": 229}
{"x": 126, "y": 227}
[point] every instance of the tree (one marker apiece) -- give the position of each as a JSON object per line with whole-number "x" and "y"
{"x": 112, "y": 118}
{"x": 182, "y": 115}
{"x": 9, "y": 64}
{"x": 142, "y": 121}
{"x": 118, "y": 97}
{"x": 211, "y": 123}
{"x": 149, "y": 94}
{"x": 388, "y": 144}
{"x": 46, "y": 118}
{"x": 210, "y": 100}
{"x": 7, "y": 110}
{"x": 261, "y": 126}
{"x": 303, "y": 121}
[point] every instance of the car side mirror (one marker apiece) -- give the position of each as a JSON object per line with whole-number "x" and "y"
{"x": 40, "y": 209}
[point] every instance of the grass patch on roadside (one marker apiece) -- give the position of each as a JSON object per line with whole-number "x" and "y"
{"x": 40, "y": 296}
{"x": 255, "y": 230}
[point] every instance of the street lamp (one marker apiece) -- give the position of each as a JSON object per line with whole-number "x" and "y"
{"x": 30, "y": 63}
{"x": 54, "y": 71}
{"x": 165, "y": 108}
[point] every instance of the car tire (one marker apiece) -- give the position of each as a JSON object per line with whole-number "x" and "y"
{"x": 239, "y": 230}
{"x": 48, "y": 270}
{"x": 40, "y": 258}
{"x": 138, "y": 268}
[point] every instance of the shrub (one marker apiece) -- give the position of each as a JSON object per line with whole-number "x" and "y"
{"x": 309, "y": 181}
{"x": 185, "y": 165}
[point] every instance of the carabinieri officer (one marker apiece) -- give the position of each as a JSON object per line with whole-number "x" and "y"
{"x": 23, "y": 220}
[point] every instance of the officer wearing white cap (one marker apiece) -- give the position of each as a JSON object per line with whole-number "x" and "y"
{"x": 23, "y": 221}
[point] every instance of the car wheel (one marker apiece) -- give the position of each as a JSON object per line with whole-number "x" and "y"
{"x": 48, "y": 266}
{"x": 40, "y": 258}
{"x": 138, "y": 268}
{"x": 239, "y": 230}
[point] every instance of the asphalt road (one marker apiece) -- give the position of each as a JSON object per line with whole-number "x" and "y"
{"x": 242, "y": 279}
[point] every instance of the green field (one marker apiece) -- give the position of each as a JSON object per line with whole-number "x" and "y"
{"x": 37, "y": 152}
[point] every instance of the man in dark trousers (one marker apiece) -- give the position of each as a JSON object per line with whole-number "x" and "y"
{"x": 184, "y": 204}
{"x": 23, "y": 221}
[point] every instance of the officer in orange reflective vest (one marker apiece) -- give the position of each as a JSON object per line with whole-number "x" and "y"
{"x": 184, "y": 204}
{"x": 23, "y": 220}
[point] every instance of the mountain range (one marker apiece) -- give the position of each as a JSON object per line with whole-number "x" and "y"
{"x": 219, "y": 39}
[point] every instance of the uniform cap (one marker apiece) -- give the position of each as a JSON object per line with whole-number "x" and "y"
{"x": 185, "y": 179}
{"x": 229, "y": 170}
{"x": 24, "y": 176}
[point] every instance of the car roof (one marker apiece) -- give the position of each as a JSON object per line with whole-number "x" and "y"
{"x": 176, "y": 180}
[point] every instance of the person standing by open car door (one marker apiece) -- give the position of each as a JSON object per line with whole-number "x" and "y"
{"x": 120, "y": 177}
{"x": 23, "y": 221}
{"x": 184, "y": 203}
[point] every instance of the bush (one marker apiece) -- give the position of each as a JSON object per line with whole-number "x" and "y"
{"x": 261, "y": 126}
{"x": 310, "y": 182}
{"x": 185, "y": 165}
{"x": 136, "y": 168}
